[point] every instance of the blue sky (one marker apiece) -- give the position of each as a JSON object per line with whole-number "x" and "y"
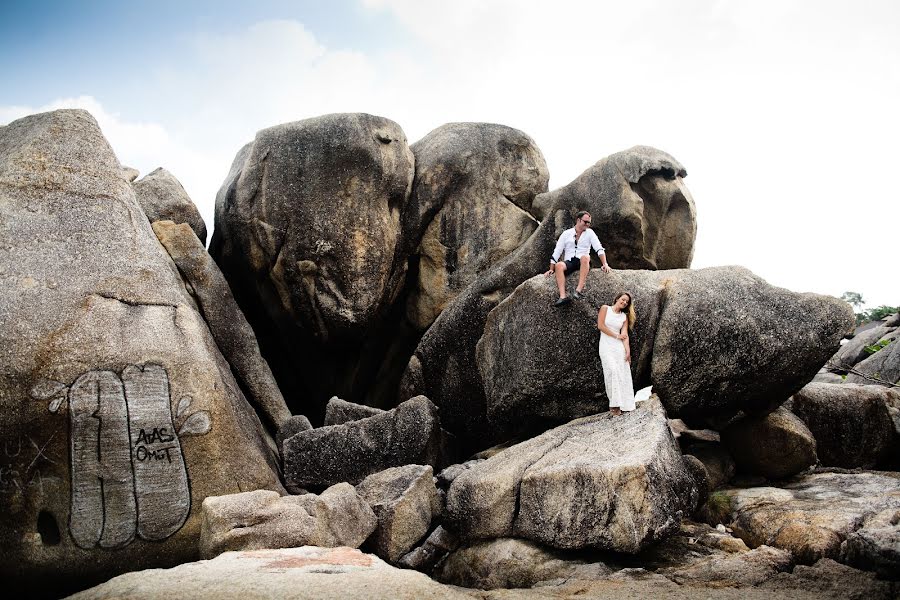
{"x": 784, "y": 112}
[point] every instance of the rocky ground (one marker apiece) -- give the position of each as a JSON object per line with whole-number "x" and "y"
{"x": 362, "y": 388}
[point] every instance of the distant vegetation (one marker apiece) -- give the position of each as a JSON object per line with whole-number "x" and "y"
{"x": 855, "y": 300}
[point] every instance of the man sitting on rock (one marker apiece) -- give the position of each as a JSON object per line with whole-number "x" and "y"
{"x": 575, "y": 246}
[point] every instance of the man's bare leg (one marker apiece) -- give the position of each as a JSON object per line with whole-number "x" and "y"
{"x": 583, "y": 272}
{"x": 560, "y": 269}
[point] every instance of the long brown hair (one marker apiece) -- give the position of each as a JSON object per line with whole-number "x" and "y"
{"x": 629, "y": 310}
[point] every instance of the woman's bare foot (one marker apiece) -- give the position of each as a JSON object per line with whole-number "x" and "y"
{"x": 616, "y": 411}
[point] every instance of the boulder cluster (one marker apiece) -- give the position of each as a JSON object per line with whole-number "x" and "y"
{"x": 362, "y": 389}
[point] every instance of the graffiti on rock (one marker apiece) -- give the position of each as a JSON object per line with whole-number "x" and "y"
{"x": 129, "y": 477}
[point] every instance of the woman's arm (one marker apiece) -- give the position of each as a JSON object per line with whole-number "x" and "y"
{"x": 601, "y": 323}
{"x": 625, "y": 340}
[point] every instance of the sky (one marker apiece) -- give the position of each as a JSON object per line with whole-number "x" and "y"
{"x": 786, "y": 114}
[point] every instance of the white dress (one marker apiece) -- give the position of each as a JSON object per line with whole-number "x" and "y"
{"x": 616, "y": 372}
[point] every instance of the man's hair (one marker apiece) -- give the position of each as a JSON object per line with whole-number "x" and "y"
{"x": 580, "y": 214}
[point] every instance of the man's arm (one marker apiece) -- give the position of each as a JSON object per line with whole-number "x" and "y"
{"x": 560, "y": 244}
{"x": 598, "y": 248}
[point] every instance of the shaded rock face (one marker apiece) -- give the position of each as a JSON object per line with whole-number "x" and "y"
{"x": 882, "y": 367}
{"x": 408, "y": 434}
{"x": 719, "y": 464}
{"x": 306, "y": 572}
{"x": 163, "y": 199}
{"x": 263, "y": 519}
{"x": 513, "y": 563}
{"x": 616, "y": 483}
{"x": 339, "y": 411}
{"x": 702, "y": 338}
{"x": 435, "y": 547}
{"x": 444, "y": 366}
{"x": 478, "y": 180}
{"x": 776, "y": 446}
{"x": 795, "y": 518}
{"x": 119, "y": 413}
{"x": 851, "y": 423}
{"x": 309, "y": 211}
{"x": 405, "y": 501}
{"x": 227, "y": 323}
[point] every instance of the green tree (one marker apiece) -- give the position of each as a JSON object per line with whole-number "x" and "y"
{"x": 854, "y": 299}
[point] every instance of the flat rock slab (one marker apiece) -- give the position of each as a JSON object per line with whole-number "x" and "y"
{"x": 408, "y": 434}
{"x": 813, "y": 515}
{"x": 617, "y": 483}
{"x": 263, "y": 519}
{"x": 291, "y": 573}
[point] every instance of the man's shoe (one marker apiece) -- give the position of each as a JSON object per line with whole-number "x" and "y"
{"x": 576, "y": 295}
{"x": 562, "y": 301}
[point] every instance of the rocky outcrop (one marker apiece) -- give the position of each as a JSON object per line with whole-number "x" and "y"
{"x": 851, "y": 423}
{"x": 338, "y": 412}
{"x": 162, "y": 198}
{"x": 702, "y": 338}
{"x": 296, "y": 573}
{"x": 719, "y": 464}
{"x": 309, "y": 210}
{"x": 794, "y": 517}
{"x": 444, "y": 366}
{"x": 435, "y": 547}
{"x": 777, "y": 445}
{"x": 232, "y": 332}
{"x": 513, "y": 563}
{"x": 408, "y": 434}
{"x": 405, "y": 501}
{"x": 117, "y": 409}
{"x": 601, "y": 481}
{"x": 262, "y": 519}
{"x": 883, "y": 366}
{"x": 474, "y": 186}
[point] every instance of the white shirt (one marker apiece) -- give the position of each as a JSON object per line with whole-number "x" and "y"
{"x": 566, "y": 246}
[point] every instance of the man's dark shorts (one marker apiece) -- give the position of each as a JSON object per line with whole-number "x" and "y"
{"x": 572, "y": 265}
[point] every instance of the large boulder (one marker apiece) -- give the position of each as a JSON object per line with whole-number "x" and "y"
{"x": 481, "y": 180}
{"x": 405, "y": 501}
{"x": 616, "y": 483}
{"x": 702, "y": 338}
{"x": 513, "y": 563}
{"x": 118, "y": 412}
{"x": 813, "y": 515}
{"x": 227, "y": 323}
{"x": 163, "y": 199}
{"x": 309, "y": 210}
{"x": 306, "y": 573}
{"x": 854, "y": 350}
{"x": 444, "y": 366}
{"x": 883, "y": 366}
{"x": 408, "y": 434}
{"x": 263, "y": 519}
{"x": 777, "y": 445}
{"x": 851, "y": 423}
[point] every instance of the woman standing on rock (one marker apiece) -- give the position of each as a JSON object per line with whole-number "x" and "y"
{"x": 615, "y": 353}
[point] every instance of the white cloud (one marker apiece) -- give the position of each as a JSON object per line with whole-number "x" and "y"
{"x": 784, "y": 116}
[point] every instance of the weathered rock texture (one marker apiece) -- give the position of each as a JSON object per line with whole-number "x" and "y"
{"x": 306, "y": 573}
{"x": 480, "y": 179}
{"x": 644, "y": 216}
{"x": 118, "y": 411}
{"x": 882, "y": 367}
{"x": 513, "y": 563}
{"x": 408, "y": 434}
{"x": 703, "y": 339}
{"x": 435, "y": 547}
{"x": 263, "y": 519}
{"x": 229, "y": 327}
{"x": 796, "y": 518}
{"x": 163, "y": 199}
{"x": 719, "y": 464}
{"x": 338, "y": 412}
{"x": 405, "y": 501}
{"x": 616, "y": 483}
{"x": 851, "y": 423}
{"x": 777, "y": 445}
{"x": 309, "y": 210}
